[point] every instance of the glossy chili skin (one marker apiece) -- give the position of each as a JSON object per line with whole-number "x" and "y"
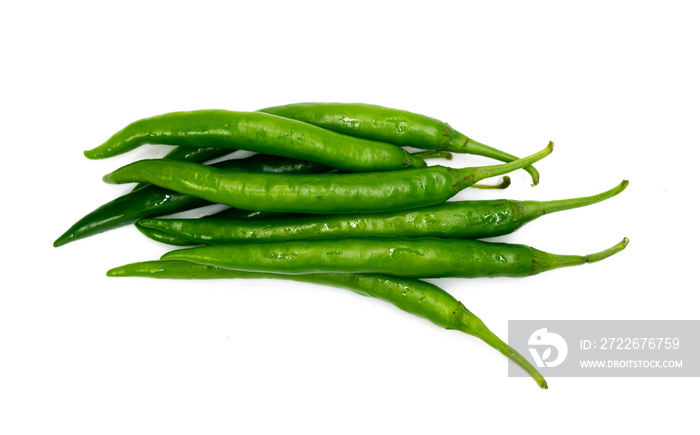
{"x": 419, "y": 298}
{"x": 424, "y": 257}
{"x": 191, "y": 154}
{"x": 151, "y": 200}
{"x": 162, "y": 236}
{"x": 414, "y": 258}
{"x": 457, "y": 219}
{"x": 390, "y": 125}
{"x": 262, "y": 133}
{"x": 316, "y": 193}
{"x": 228, "y": 215}
{"x": 374, "y": 122}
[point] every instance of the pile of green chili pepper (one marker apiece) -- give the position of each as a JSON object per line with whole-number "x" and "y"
{"x": 331, "y": 197}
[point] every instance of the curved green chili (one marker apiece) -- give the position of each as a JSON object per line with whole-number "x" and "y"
{"x": 395, "y": 126}
{"x": 190, "y": 154}
{"x": 259, "y": 132}
{"x": 413, "y": 296}
{"x": 226, "y": 214}
{"x": 319, "y": 193}
{"x": 151, "y": 200}
{"x": 424, "y": 257}
{"x": 457, "y": 219}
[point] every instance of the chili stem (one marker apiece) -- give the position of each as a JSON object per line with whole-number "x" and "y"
{"x": 544, "y": 261}
{"x": 503, "y": 185}
{"x": 529, "y": 210}
{"x": 466, "y": 177}
{"x": 480, "y": 149}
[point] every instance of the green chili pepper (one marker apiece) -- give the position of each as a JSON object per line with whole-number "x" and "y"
{"x": 319, "y": 193}
{"x": 162, "y": 236}
{"x": 230, "y": 214}
{"x": 413, "y": 296}
{"x": 259, "y": 132}
{"x": 190, "y": 154}
{"x": 155, "y": 201}
{"x": 227, "y": 215}
{"x": 423, "y": 257}
{"x": 458, "y": 219}
{"x": 394, "y": 126}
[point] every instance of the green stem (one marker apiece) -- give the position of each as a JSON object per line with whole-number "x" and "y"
{"x": 529, "y": 210}
{"x": 480, "y": 149}
{"x": 465, "y": 177}
{"x": 504, "y": 184}
{"x": 544, "y": 261}
{"x": 440, "y": 154}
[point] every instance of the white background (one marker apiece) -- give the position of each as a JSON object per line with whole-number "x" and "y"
{"x": 614, "y": 84}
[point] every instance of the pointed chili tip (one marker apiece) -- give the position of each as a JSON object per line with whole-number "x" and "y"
{"x": 117, "y": 271}
{"x": 170, "y": 255}
{"x": 544, "y": 385}
{"x": 109, "y": 179}
{"x": 90, "y": 154}
{"x": 146, "y": 222}
{"x": 64, "y": 239}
